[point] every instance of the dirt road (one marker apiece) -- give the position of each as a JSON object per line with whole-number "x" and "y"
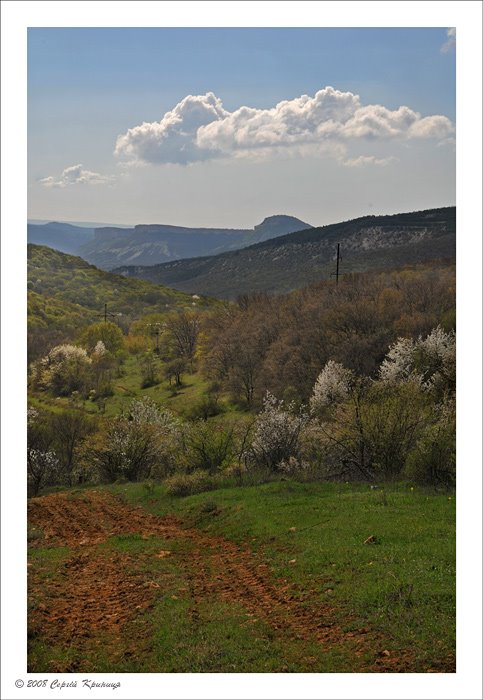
{"x": 92, "y": 592}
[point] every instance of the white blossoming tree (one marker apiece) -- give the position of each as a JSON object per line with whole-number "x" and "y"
{"x": 141, "y": 444}
{"x": 429, "y": 362}
{"x": 42, "y": 468}
{"x": 63, "y": 370}
{"x": 42, "y": 462}
{"x": 332, "y": 386}
{"x": 276, "y": 433}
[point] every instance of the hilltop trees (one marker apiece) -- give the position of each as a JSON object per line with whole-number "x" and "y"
{"x": 280, "y": 344}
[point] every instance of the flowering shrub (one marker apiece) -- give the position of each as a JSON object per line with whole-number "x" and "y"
{"x": 276, "y": 433}
{"x": 332, "y": 386}
{"x": 100, "y": 349}
{"x": 140, "y": 445}
{"x": 146, "y": 411}
{"x": 431, "y": 362}
{"x": 63, "y": 370}
{"x": 42, "y": 468}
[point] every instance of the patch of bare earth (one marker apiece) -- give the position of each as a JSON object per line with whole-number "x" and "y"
{"x": 96, "y": 592}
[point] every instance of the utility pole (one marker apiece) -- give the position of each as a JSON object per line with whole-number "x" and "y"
{"x": 107, "y": 314}
{"x": 156, "y": 327}
{"x": 336, "y": 273}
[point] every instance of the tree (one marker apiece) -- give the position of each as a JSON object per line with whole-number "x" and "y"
{"x": 431, "y": 362}
{"x": 332, "y": 386}
{"x": 174, "y": 369}
{"x": 276, "y": 433}
{"x": 70, "y": 429}
{"x": 149, "y": 370}
{"x": 42, "y": 468}
{"x": 66, "y": 368}
{"x": 103, "y": 364}
{"x": 109, "y": 333}
{"x": 42, "y": 462}
{"x": 208, "y": 447}
{"x": 183, "y": 329}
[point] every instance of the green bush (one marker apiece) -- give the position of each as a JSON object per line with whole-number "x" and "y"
{"x": 208, "y": 447}
{"x": 189, "y": 484}
{"x": 433, "y": 460}
{"x": 207, "y": 407}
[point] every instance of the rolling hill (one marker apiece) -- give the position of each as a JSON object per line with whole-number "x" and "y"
{"x": 285, "y": 263}
{"x": 62, "y": 236}
{"x": 65, "y": 293}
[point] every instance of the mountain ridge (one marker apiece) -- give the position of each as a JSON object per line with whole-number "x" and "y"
{"x": 287, "y": 262}
{"x": 111, "y": 246}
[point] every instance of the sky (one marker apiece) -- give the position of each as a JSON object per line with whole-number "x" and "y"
{"x": 223, "y": 127}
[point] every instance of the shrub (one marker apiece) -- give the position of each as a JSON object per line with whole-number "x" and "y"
{"x": 332, "y": 386}
{"x": 141, "y": 444}
{"x": 189, "y": 484}
{"x": 276, "y": 434}
{"x": 206, "y": 407}
{"x": 208, "y": 447}
{"x": 66, "y": 368}
{"x": 431, "y": 362}
{"x": 433, "y": 460}
{"x": 371, "y": 434}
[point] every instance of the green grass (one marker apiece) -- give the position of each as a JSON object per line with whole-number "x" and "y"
{"x": 128, "y": 387}
{"x": 403, "y": 585}
{"x": 311, "y": 535}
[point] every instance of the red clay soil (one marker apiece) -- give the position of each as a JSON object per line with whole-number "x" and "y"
{"x": 95, "y": 592}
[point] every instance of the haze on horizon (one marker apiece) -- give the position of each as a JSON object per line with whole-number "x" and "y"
{"x": 224, "y": 127}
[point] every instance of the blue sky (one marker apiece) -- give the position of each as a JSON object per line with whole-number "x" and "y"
{"x": 87, "y": 87}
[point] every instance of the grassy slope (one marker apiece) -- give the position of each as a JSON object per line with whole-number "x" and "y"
{"x": 67, "y": 279}
{"x": 128, "y": 387}
{"x": 401, "y": 588}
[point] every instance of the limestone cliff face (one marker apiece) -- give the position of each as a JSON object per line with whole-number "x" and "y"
{"x": 149, "y": 244}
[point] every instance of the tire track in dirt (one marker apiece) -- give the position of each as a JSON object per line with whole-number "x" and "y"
{"x": 96, "y": 593}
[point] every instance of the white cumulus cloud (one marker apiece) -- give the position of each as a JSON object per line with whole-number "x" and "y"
{"x": 74, "y": 175}
{"x": 450, "y": 40}
{"x": 199, "y": 128}
{"x": 173, "y": 139}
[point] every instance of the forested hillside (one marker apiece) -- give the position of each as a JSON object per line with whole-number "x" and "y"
{"x": 65, "y": 293}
